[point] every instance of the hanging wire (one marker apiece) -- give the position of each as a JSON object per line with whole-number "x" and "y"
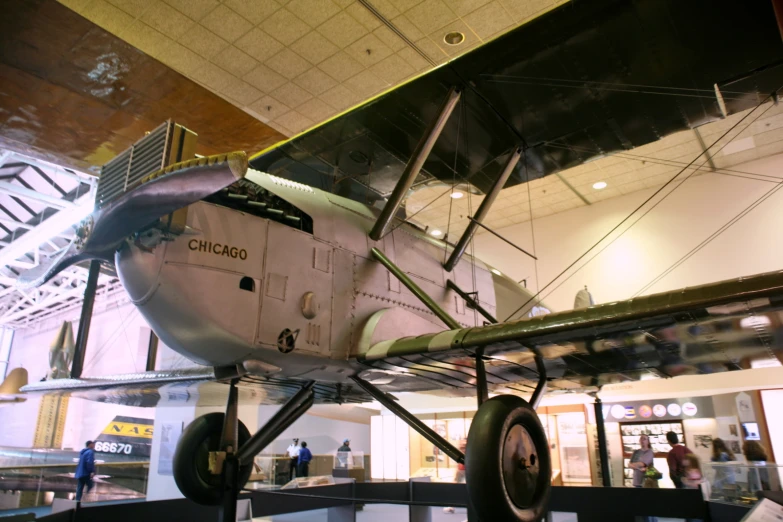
{"x": 453, "y": 177}
{"x": 532, "y": 226}
{"x": 744, "y": 212}
{"x": 643, "y": 204}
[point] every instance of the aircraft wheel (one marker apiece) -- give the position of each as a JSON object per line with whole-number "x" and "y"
{"x": 191, "y": 460}
{"x": 507, "y": 465}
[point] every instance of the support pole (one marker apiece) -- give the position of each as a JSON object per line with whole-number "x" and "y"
{"x": 425, "y": 431}
{"x": 415, "y": 290}
{"x": 473, "y": 303}
{"x": 483, "y": 210}
{"x": 415, "y": 163}
{"x": 540, "y": 390}
{"x": 603, "y": 453}
{"x": 152, "y": 351}
{"x": 482, "y": 392}
{"x": 285, "y": 416}
{"x": 85, "y": 319}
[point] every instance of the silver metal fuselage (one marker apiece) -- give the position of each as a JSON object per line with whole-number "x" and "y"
{"x": 188, "y": 288}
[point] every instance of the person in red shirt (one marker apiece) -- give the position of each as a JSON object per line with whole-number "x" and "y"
{"x": 676, "y": 458}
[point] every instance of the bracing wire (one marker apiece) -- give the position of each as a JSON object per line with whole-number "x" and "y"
{"x": 532, "y": 226}
{"x": 642, "y": 205}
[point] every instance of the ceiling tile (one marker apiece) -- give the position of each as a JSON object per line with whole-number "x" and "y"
{"x": 392, "y": 69}
{"x": 343, "y": 3}
{"x": 314, "y": 48}
{"x": 195, "y": 9}
{"x": 181, "y": 58}
{"x": 489, "y": 20}
{"x": 313, "y": 12}
{"x": 366, "y": 84}
{"x": 235, "y": 61}
{"x": 315, "y": 81}
{"x": 405, "y": 5}
{"x": 340, "y": 97}
{"x": 431, "y": 15}
{"x": 280, "y": 128}
{"x": 134, "y": 8}
{"x": 291, "y": 95}
{"x": 226, "y": 24}
{"x": 414, "y": 59}
{"x": 404, "y": 25}
{"x": 269, "y": 108}
{"x": 285, "y": 26}
{"x": 386, "y": 8}
{"x": 242, "y": 92}
{"x": 213, "y": 76}
{"x": 288, "y": 63}
{"x": 363, "y": 15}
{"x": 108, "y": 16}
{"x": 342, "y": 29}
{"x": 340, "y": 67}
{"x": 166, "y": 19}
{"x": 259, "y": 45}
{"x": 316, "y": 109}
{"x": 146, "y": 39}
{"x": 254, "y": 10}
{"x": 368, "y": 50}
{"x": 390, "y": 38}
{"x": 203, "y": 41}
{"x": 294, "y": 121}
{"x": 432, "y": 49}
{"x": 456, "y": 26}
{"x": 264, "y": 78}
{"x": 463, "y": 7}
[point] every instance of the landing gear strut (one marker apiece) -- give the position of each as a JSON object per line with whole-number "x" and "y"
{"x": 214, "y": 456}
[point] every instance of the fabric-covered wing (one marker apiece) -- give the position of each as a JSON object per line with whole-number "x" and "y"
{"x": 705, "y": 329}
{"x": 203, "y": 386}
{"x": 586, "y": 79}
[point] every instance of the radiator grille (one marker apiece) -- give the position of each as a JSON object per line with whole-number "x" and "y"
{"x": 143, "y": 157}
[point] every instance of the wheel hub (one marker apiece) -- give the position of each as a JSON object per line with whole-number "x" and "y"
{"x": 520, "y": 466}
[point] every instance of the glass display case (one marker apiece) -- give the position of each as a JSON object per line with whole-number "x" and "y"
{"x": 737, "y": 482}
{"x": 349, "y": 460}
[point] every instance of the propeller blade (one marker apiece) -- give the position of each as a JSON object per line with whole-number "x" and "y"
{"x": 153, "y": 197}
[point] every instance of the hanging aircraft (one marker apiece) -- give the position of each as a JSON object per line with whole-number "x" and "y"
{"x": 295, "y": 277}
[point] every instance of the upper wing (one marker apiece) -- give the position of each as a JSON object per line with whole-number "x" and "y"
{"x": 584, "y": 80}
{"x": 204, "y": 385}
{"x": 705, "y": 329}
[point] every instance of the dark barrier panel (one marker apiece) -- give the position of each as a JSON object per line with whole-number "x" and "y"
{"x": 591, "y": 504}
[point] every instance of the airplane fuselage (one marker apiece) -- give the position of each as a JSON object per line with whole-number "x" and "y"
{"x": 241, "y": 288}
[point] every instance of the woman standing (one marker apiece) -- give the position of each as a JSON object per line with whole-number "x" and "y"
{"x": 724, "y": 475}
{"x": 758, "y": 476}
{"x": 641, "y": 459}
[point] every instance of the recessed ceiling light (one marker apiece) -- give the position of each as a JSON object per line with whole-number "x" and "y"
{"x": 456, "y": 194}
{"x": 454, "y": 38}
{"x": 496, "y": 271}
{"x": 435, "y": 232}
{"x": 599, "y": 185}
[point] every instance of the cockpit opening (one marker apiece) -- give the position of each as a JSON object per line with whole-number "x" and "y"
{"x": 246, "y": 196}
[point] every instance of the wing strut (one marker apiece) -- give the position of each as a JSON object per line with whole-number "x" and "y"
{"x": 388, "y": 402}
{"x": 415, "y": 163}
{"x": 472, "y": 302}
{"x": 483, "y": 210}
{"x": 416, "y": 290}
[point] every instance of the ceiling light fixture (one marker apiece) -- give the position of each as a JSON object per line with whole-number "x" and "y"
{"x": 600, "y": 185}
{"x": 435, "y": 232}
{"x": 456, "y": 195}
{"x": 454, "y": 38}
{"x": 495, "y": 271}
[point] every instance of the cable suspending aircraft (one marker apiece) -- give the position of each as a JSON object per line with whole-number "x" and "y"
{"x": 295, "y": 278}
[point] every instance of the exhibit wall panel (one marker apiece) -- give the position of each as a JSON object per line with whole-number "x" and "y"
{"x": 771, "y": 401}
{"x": 689, "y": 215}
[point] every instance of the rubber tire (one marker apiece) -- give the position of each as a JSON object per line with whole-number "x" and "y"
{"x": 191, "y": 456}
{"x": 483, "y": 460}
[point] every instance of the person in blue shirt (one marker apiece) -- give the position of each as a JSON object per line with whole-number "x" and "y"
{"x": 85, "y": 469}
{"x": 305, "y": 456}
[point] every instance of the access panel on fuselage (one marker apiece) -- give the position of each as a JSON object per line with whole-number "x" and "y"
{"x": 299, "y": 268}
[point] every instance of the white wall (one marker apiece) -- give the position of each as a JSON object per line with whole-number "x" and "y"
{"x": 692, "y": 212}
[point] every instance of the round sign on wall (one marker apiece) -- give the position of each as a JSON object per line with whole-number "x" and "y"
{"x": 689, "y": 409}
{"x": 659, "y": 410}
{"x": 674, "y": 409}
{"x": 645, "y": 411}
{"x": 630, "y": 412}
{"x": 618, "y": 412}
